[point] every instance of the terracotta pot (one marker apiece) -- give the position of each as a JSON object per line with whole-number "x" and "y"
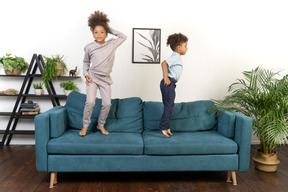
{"x": 266, "y": 162}
{"x": 59, "y": 69}
{"x": 14, "y": 72}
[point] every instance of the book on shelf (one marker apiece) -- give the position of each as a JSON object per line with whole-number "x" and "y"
{"x": 30, "y": 113}
{"x": 27, "y": 105}
{"x": 30, "y": 109}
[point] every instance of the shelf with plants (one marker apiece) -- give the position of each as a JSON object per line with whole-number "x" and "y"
{"x": 37, "y": 64}
{"x": 39, "y": 75}
{"x": 36, "y": 96}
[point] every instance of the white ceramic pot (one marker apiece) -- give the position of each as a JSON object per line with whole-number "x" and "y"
{"x": 38, "y": 91}
{"x": 67, "y": 92}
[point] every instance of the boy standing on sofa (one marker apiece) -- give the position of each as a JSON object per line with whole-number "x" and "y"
{"x": 172, "y": 69}
{"x": 100, "y": 54}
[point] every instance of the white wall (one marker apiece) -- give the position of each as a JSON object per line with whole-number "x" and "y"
{"x": 226, "y": 37}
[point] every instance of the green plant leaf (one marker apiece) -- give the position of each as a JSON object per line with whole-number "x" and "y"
{"x": 264, "y": 98}
{"x": 10, "y": 63}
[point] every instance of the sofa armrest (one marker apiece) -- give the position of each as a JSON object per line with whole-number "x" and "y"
{"x": 42, "y": 136}
{"x": 235, "y": 125}
{"x": 58, "y": 122}
{"x": 243, "y": 132}
{"x": 226, "y": 124}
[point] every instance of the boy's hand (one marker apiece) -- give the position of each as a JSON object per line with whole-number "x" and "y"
{"x": 88, "y": 79}
{"x": 167, "y": 81}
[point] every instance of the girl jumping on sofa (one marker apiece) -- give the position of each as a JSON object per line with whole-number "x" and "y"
{"x": 172, "y": 69}
{"x": 97, "y": 66}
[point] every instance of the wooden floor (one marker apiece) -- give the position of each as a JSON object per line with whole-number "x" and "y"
{"x": 18, "y": 173}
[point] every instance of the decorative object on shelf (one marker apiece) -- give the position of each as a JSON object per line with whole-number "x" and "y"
{"x": 69, "y": 86}
{"x": 53, "y": 67}
{"x": 146, "y": 45}
{"x": 73, "y": 72}
{"x": 9, "y": 92}
{"x": 29, "y": 109}
{"x": 38, "y": 88}
{"x": 264, "y": 98}
{"x": 13, "y": 65}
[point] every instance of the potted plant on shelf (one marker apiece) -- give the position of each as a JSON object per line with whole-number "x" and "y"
{"x": 264, "y": 98}
{"x": 38, "y": 88}
{"x": 13, "y": 65}
{"x": 69, "y": 86}
{"x": 53, "y": 67}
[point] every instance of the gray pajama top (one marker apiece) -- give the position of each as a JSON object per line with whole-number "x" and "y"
{"x": 99, "y": 59}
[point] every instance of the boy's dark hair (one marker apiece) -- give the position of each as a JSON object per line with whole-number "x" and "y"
{"x": 98, "y": 18}
{"x": 176, "y": 39}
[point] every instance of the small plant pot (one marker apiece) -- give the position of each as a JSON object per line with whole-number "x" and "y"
{"x": 266, "y": 162}
{"x": 14, "y": 72}
{"x": 67, "y": 92}
{"x": 59, "y": 69}
{"x": 38, "y": 91}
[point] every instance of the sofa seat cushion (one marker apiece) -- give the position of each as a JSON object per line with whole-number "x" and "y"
{"x": 188, "y": 143}
{"x": 97, "y": 143}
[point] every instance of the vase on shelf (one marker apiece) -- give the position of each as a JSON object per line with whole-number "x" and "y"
{"x": 14, "y": 72}
{"x": 38, "y": 91}
{"x": 59, "y": 69}
{"x": 67, "y": 92}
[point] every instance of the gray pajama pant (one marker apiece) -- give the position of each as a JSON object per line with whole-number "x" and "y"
{"x": 102, "y": 83}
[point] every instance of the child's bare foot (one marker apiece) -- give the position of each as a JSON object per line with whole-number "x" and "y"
{"x": 83, "y": 131}
{"x": 169, "y": 132}
{"x": 103, "y": 130}
{"x": 165, "y": 133}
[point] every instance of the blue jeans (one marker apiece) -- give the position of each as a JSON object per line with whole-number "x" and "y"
{"x": 168, "y": 98}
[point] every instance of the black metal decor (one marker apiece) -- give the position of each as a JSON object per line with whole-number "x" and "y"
{"x": 36, "y": 62}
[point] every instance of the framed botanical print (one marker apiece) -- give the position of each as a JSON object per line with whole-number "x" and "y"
{"x": 146, "y": 45}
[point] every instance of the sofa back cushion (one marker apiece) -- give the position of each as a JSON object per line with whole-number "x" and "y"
{"x": 189, "y": 116}
{"x": 125, "y": 115}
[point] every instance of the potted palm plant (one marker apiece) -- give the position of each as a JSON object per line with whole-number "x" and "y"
{"x": 69, "y": 86}
{"x": 13, "y": 65}
{"x": 264, "y": 98}
{"x": 53, "y": 67}
{"x": 38, "y": 88}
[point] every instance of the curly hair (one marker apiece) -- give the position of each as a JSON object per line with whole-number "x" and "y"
{"x": 175, "y": 40}
{"x": 98, "y": 18}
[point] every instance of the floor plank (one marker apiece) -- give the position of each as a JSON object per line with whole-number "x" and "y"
{"x": 18, "y": 173}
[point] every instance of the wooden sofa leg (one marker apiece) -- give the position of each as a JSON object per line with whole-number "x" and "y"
{"x": 233, "y": 174}
{"x": 228, "y": 177}
{"x": 53, "y": 179}
{"x": 234, "y": 177}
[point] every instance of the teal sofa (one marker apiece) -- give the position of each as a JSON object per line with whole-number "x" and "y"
{"x": 200, "y": 141}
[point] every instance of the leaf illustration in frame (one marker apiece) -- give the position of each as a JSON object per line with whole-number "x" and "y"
{"x": 146, "y": 45}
